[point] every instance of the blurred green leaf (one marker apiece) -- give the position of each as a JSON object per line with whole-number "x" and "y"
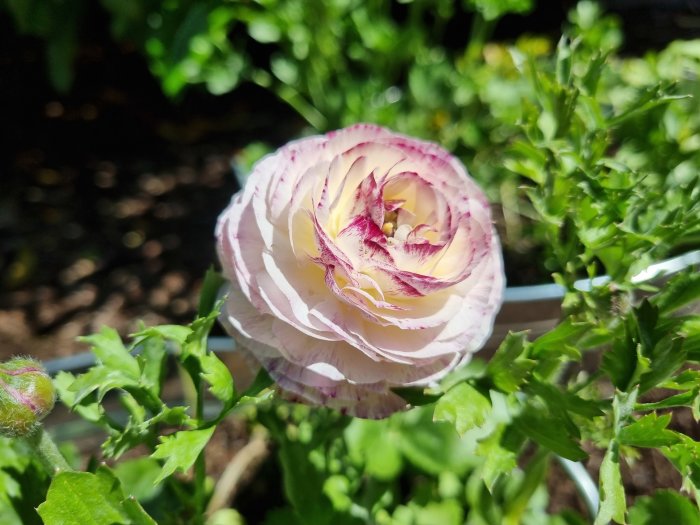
{"x": 463, "y": 406}
{"x": 374, "y": 445}
{"x": 493, "y": 9}
{"x": 508, "y": 367}
{"x": 550, "y": 432}
{"x": 138, "y": 478}
{"x": 664, "y": 506}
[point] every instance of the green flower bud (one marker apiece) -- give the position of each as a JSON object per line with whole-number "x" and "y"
{"x": 27, "y": 394}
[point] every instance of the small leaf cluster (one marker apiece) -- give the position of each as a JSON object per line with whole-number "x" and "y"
{"x": 123, "y": 394}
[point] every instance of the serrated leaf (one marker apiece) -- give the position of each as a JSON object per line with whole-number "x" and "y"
{"x": 628, "y": 359}
{"x": 690, "y": 331}
{"x": 560, "y": 339}
{"x": 217, "y": 374}
{"x": 180, "y": 450}
{"x": 679, "y": 291}
{"x": 648, "y": 431}
{"x": 667, "y": 356}
{"x": 89, "y": 411}
{"x": 463, "y": 406}
{"x": 110, "y": 351}
{"x": 175, "y": 333}
{"x": 83, "y": 498}
{"x": 152, "y": 363}
{"x": 612, "y": 493}
{"x": 665, "y": 506}
{"x": 685, "y": 456}
{"x": 498, "y": 460}
{"x": 102, "y": 380}
{"x": 684, "y": 399}
{"x": 550, "y": 432}
{"x": 508, "y": 369}
{"x": 562, "y": 400}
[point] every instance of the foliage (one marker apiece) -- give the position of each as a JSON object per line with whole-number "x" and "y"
{"x": 593, "y": 155}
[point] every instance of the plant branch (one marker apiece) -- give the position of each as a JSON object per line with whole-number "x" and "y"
{"x": 246, "y": 460}
{"x": 47, "y": 451}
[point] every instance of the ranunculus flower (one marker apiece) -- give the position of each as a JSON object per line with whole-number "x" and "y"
{"x": 359, "y": 261}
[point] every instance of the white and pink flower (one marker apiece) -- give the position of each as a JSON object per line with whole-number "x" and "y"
{"x": 359, "y": 261}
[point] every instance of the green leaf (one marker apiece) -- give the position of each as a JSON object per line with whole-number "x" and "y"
{"x": 180, "y": 450}
{"x": 612, "y": 493}
{"x": 648, "y": 99}
{"x": 304, "y": 497}
{"x": 494, "y": 9}
{"x": 463, "y": 406}
{"x": 690, "y": 331}
{"x": 685, "y": 456}
{"x": 432, "y": 447}
{"x": 550, "y": 432}
{"x": 679, "y": 291}
{"x": 217, "y": 374}
{"x": 667, "y": 356}
{"x": 648, "y": 431}
{"x": 498, "y": 460}
{"x": 213, "y": 281}
{"x": 561, "y": 339}
{"x": 665, "y": 506}
{"x": 560, "y": 400}
{"x": 372, "y": 444}
{"x": 630, "y": 357}
{"x": 89, "y": 411}
{"x": 110, "y": 351}
{"x": 447, "y": 512}
{"x": 337, "y": 489}
{"x": 102, "y": 380}
{"x": 152, "y": 362}
{"x": 169, "y": 332}
{"x": 82, "y": 498}
{"x": 684, "y": 399}
{"x": 416, "y": 396}
{"x": 195, "y": 22}
{"x": 138, "y": 477}
{"x": 264, "y": 31}
{"x": 508, "y": 369}
{"x": 261, "y": 382}
{"x": 228, "y": 517}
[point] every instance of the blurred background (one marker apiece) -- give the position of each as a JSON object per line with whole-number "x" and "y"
{"x": 125, "y": 121}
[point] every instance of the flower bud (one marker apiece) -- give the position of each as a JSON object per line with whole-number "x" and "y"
{"x": 27, "y": 395}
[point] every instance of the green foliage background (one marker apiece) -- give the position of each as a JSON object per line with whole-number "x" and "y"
{"x": 593, "y": 160}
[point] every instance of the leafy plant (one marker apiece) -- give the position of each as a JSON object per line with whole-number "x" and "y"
{"x": 594, "y": 156}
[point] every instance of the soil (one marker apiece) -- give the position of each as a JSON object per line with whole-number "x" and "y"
{"x": 110, "y": 194}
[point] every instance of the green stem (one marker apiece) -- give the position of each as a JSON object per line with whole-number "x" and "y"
{"x": 47, "y": 451}
{"x": 480, "y": 33}
{"x": 200, "y": 465}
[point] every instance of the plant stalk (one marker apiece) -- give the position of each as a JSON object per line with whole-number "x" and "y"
{"x": 47, "y": 451}
{"x": 200, "y": 465}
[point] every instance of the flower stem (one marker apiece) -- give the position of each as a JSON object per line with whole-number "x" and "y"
{"x": 47, "y": 451}
{"x": 200, "y": 465}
